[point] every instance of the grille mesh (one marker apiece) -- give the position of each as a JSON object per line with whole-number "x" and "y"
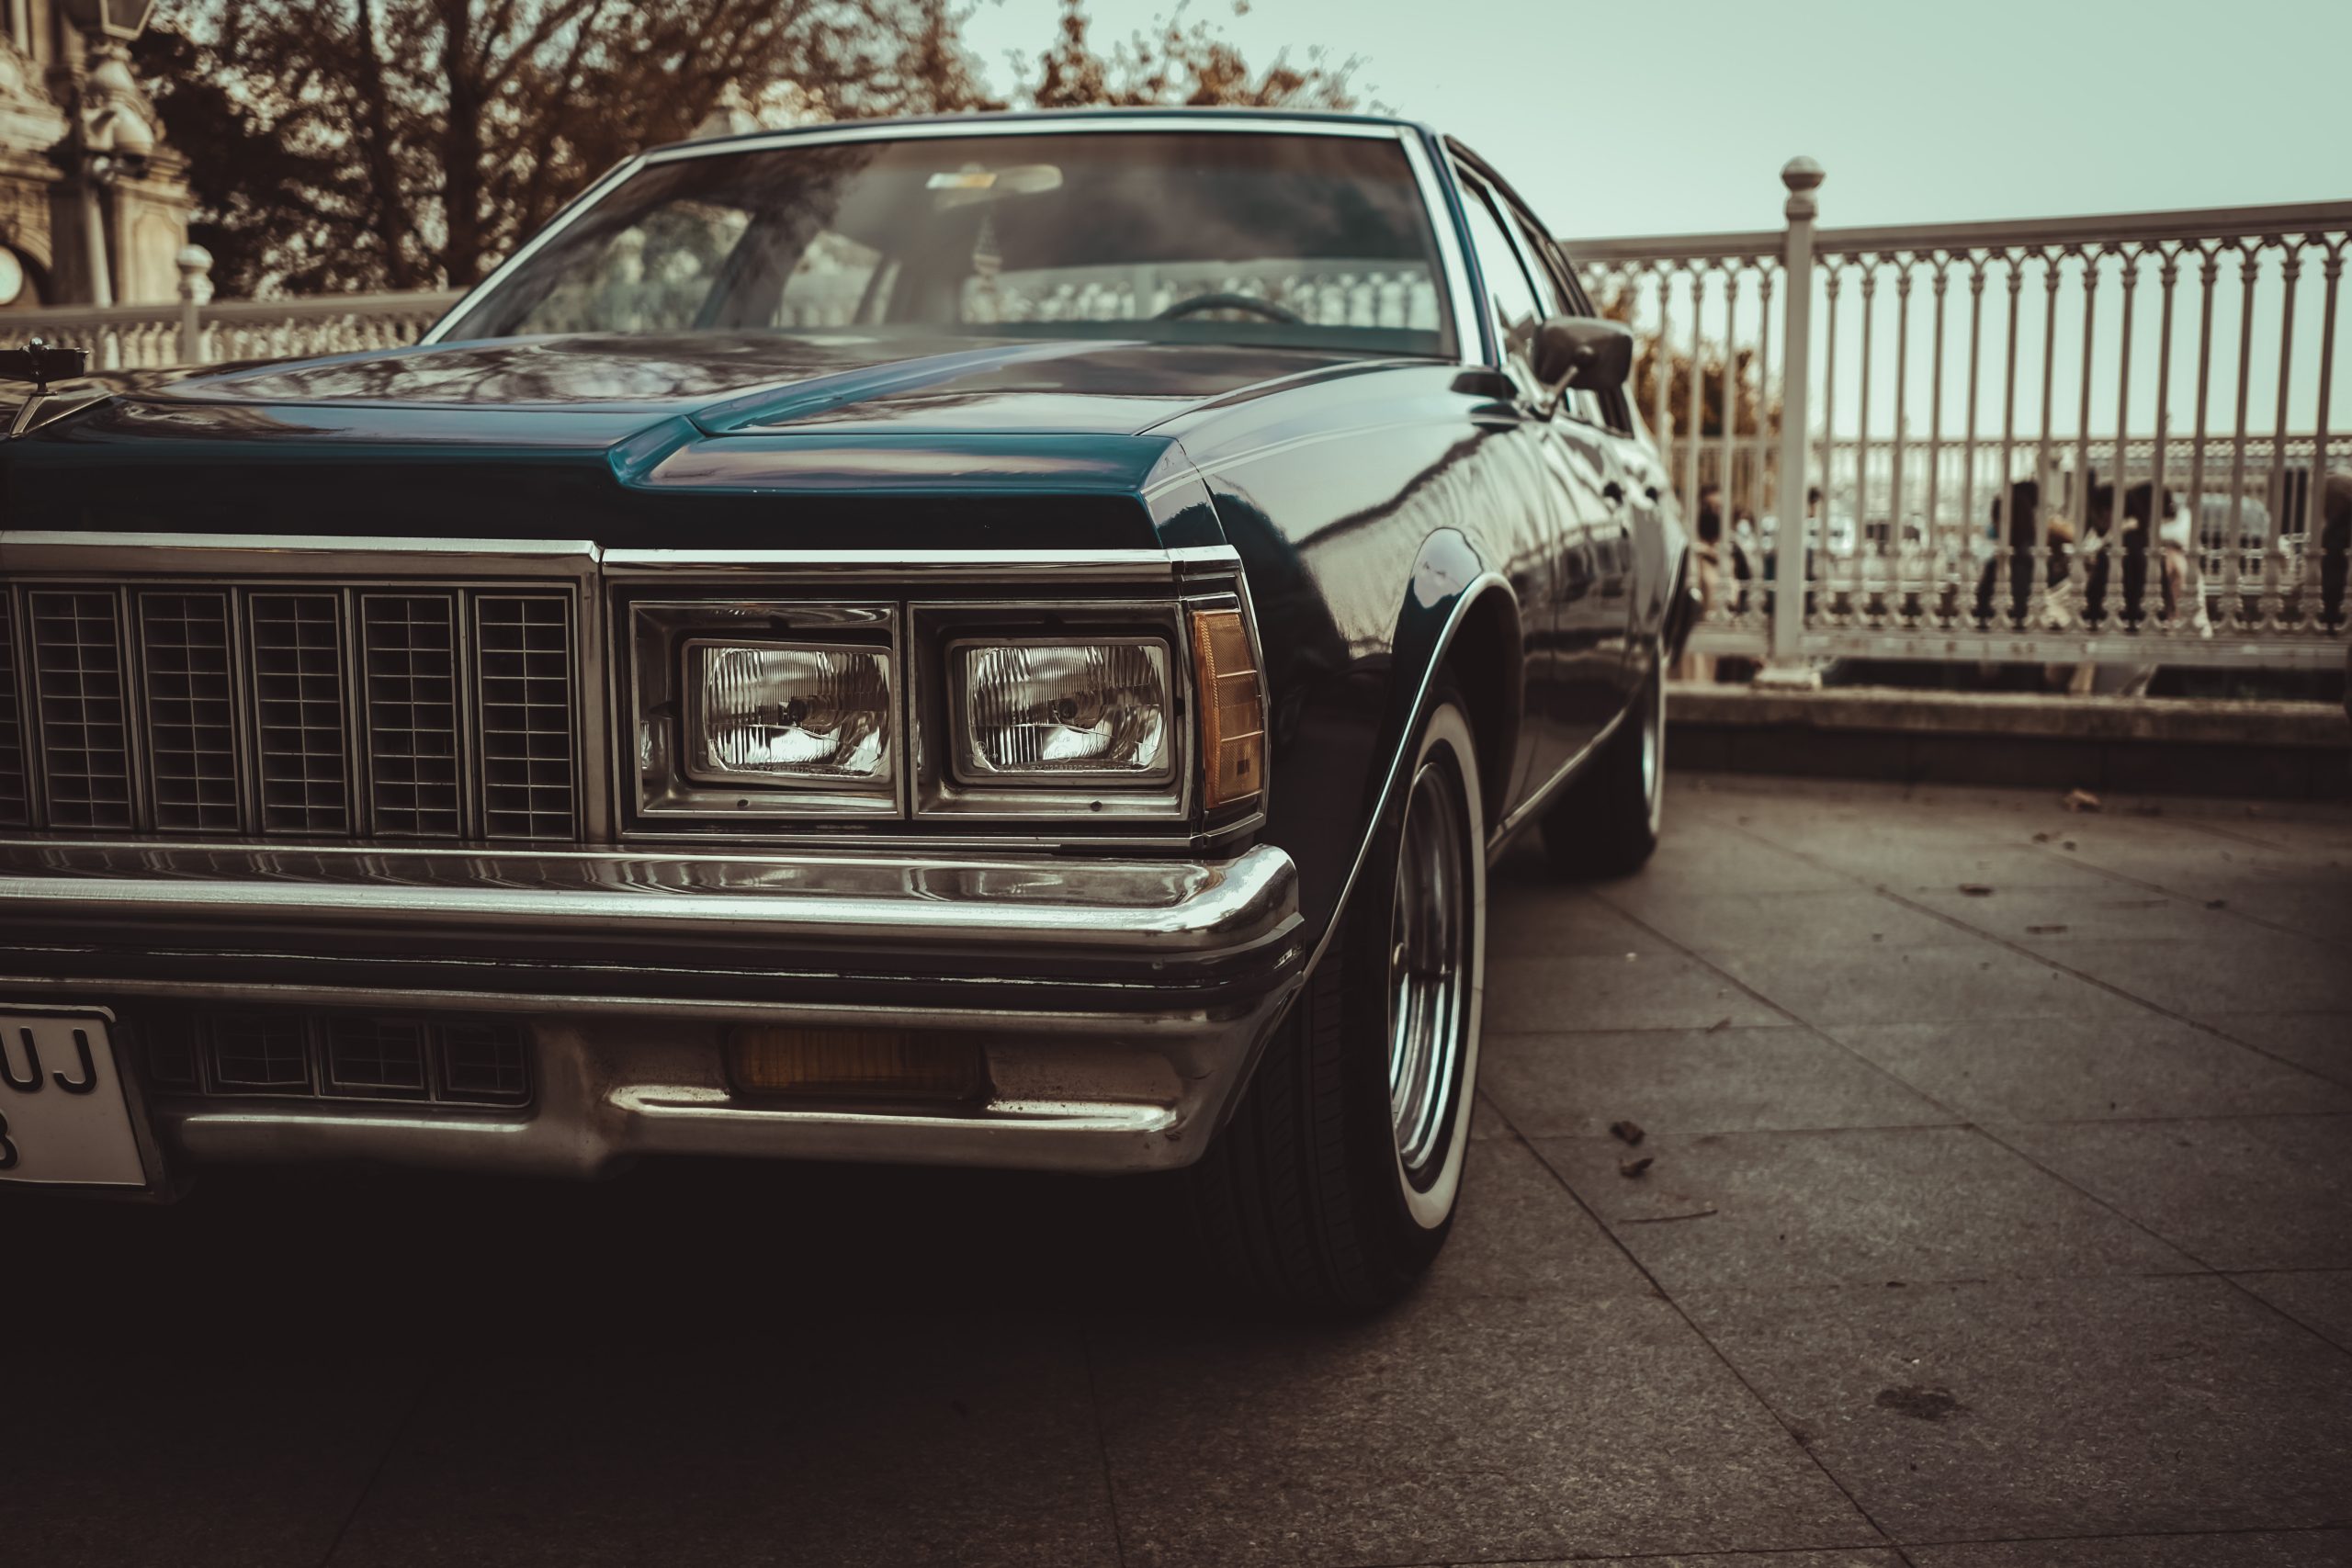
{"x": 524, "y": 645}
{"x": 318, "y": 711}
{"x": 335, "y": 1055}
{"x": 260, "y": 1052}
{"x": 78, "y": 695}
{"x": 412, "y": 666}
{"x": 191, "y": 697}
{"x": 485, "y": 1063}
{"x": 298, "y": 699}
{"x": 376, "y": 1056}
{"x": 15, "y": 798}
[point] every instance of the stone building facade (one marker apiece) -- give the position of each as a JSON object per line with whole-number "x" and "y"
{"x": 93, "y": 206}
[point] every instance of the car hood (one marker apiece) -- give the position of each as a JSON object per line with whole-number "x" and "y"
{"x": 754, "y": 383}
{"x": 659, "y": 440}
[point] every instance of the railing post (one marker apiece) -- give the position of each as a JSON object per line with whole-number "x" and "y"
{"x": 1802, "y": 175}
{"x": 196, "y": 292}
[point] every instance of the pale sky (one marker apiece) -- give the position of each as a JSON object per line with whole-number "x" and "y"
{"x": 1633, "y": 118}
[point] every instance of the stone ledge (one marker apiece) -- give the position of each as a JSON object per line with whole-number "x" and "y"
{"x": 2147, "y": 745}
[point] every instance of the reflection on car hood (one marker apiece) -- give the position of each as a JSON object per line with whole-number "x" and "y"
{"x": 755, "y": 382}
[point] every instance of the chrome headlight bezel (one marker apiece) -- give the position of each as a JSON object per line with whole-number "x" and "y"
{"x": 669, "y": 789}
{"x": 937, "y": 632}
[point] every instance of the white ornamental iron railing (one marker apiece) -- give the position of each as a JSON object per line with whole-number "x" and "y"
{"x": 1966, "y": 504}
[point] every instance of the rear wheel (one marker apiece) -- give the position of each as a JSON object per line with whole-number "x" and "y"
{"x": 1335, "y": 1184}
{"x": 1606, "y": 823}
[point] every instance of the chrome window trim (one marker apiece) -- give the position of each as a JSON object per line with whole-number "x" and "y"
{"x": 1470, "y": 346}
{"x": 1408, "y": 135}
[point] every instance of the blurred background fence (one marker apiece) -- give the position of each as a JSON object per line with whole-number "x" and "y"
{"x": 2191, "y": 354}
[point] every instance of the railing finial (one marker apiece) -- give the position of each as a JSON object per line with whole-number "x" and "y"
{"x": 1802, "y": 176}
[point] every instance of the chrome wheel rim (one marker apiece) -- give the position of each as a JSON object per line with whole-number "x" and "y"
{"x": 1654, "y": 744}
{"x": 1429, "y": 974}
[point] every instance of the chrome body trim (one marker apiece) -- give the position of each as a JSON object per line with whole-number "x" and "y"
{"x": 1120, "y": 1003}
{"x": 959, "y": 566}
{"x": 747, "y": 912}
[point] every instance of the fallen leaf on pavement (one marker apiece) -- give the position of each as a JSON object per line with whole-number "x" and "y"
{"x": 1719, "y": 1024}
{"x": 1631, "y": 1131}
{"x": 1977, "y": 889}
{"x": 1632, "y": 1168}
{"x": 2080, "y": 800}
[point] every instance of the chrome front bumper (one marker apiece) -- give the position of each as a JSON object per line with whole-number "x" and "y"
{"x": 1123, "y": 1000}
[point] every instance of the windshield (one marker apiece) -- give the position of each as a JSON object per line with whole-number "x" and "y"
{"x": 1302, "y": 240}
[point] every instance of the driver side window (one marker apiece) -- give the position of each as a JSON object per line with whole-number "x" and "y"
{"x": 1511, "y": 301}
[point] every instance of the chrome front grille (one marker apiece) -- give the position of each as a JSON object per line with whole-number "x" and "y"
{"x": 334, "y": 1055}
{"x": 15, "y": 798}
{"x": 298, "y": 702}
{"x": 79, "y": 705}
{"x": 415, "y": 711}
{"x": 411, "y": 669}
{"x": 191, "y": 702}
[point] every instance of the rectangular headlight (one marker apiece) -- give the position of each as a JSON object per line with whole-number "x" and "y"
{"x": 789, "y": 714}
{"x": 1095, "y": 711}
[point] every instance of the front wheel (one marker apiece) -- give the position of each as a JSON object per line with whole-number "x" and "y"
{"x": 1336, "y": 1182}
{"x": 1606, "y": 822}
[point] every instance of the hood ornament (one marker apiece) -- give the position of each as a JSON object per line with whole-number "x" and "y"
{"x": 41, "y": 363}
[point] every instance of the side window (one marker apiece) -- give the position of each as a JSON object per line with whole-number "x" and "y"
{"x": 1512, "y": 302}
{"x": 1544, "y": 257}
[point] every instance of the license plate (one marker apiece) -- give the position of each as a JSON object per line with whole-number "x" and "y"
{"x": 65, "y": 1113}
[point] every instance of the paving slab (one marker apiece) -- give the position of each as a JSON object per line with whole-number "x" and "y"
{"x": 2322, "y": 1042}
{"x": 1793, "y": 1210}
{"x": 2251, "y": 1549}
{"x": 1524, "y": 1234}
{"x": 2319, "y": 1299}
{"x": 1532, "y": 918}
{"x": 2239, "y": 1193}
{"x": 1853, "y": 1557}
{"x": 130, "y": 1456}
{"x": 885, "y": 1439}
{"x": 1692, "y": 1081}
{"x": 2071, "y": 1069}
{"x": 1919, "y": 985}
{"x": 2073, "y": 1408}
{"x": 2061, "y": 916}
{"x": 1848, "y": 917}
{"x": 1448, "y": 1430}
{"x": 2275, "y": 971}
{"x": 1652, "y": 990}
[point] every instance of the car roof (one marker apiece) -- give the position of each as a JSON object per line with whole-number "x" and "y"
{"x": 1305, "y": 122}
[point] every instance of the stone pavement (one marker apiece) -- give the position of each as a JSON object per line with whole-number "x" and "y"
{"x": 2001, "y": 1216}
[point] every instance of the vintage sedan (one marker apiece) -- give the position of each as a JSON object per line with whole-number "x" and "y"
{"x": 1004, "y": 641}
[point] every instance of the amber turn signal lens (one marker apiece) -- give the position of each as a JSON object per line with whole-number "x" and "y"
{"x": 858, "y": 1063}
{"x": 1233, "y": 707}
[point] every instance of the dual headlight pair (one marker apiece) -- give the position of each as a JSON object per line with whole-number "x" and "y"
{"x": 1078, "y": 712}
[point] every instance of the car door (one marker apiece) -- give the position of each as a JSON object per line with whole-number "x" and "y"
{"x": 1632, "y": 483}
{"x": 1573, "y": 686}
